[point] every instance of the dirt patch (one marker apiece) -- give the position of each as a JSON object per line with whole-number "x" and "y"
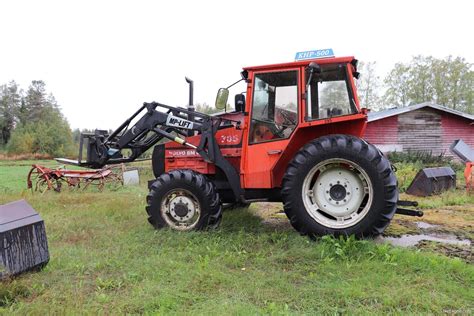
{"x": 272, "y": 215}
{"x": 400, "y": 226}
{"x": 450, "y": 250}
{"x": 448, "y": 230}
{"x": 76, "y": 238}
{"x": 414, "y": 240}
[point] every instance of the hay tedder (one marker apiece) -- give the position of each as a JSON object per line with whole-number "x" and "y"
{"x": 41, "y": 179}
{"x": 296, "y": 140}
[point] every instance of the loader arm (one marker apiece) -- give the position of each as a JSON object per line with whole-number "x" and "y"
{"x": 168, "y": 122}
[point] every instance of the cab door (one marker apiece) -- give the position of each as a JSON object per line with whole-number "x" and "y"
{"x": 274, "y": 105}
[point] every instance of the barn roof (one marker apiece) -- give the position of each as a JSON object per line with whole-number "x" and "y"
{"x": 374, "y": 116}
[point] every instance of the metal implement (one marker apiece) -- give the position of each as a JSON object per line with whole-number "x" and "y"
{"x": 429, "y": 181}
{"x": 406, "y": 211}
{"x": 41, "y": 178}
{"x": 462, "y": 150}
{"x": 469, "y": 176}
{"x": 158, "y": 122}
{"x": 466, "y": 154}
{"x": 23, "y": 242}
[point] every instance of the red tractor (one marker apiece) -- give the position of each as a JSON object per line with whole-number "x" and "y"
{"x": 296, "y": 140}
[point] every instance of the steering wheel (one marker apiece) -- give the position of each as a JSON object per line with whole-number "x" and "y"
{"x": 288, "y": 120}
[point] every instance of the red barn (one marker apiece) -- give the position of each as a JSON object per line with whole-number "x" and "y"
{"x": 420, "y": 127}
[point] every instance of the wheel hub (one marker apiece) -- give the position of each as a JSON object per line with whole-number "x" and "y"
{"x": 181, "y": 208}
{"x": 337, "y": 192}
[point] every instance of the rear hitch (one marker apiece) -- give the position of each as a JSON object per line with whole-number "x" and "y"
{"x": 408, "y": 212}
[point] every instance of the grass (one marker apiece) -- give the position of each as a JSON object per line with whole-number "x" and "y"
{"x": 106, "y": 259}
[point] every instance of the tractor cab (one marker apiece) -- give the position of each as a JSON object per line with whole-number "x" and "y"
{"x": 282, "y": 95}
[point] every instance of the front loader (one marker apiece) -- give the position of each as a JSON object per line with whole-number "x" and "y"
{"x": 294, "y": 137}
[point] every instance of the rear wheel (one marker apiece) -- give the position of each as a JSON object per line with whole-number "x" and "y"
{"x": 183, "y": 200}
{"x": 339, "y": 185}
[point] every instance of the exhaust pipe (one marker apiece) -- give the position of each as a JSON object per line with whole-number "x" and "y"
{"x": 190, "y": 104}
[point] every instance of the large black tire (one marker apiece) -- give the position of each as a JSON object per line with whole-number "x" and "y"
{"x": 194, "y": 186}
{"x": 356, "y": 152}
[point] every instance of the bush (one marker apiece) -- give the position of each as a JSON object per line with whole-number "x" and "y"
{"x": 423, "y": 157}
{"x": 52, "y": 137}
{"x": 406, "y": 172}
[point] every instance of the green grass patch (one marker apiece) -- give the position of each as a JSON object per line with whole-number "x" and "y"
{"x": 106, "y": 259}
{"x": 448, "y": 198}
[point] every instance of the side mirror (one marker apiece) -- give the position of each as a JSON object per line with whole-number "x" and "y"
{"x": 239, "y": 102}
{"x": 221, "y": 99}
{"x": 313, "y": 67}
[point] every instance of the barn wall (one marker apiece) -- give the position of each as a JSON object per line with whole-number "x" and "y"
{"x": 421, "y": 130}
{"x": 455, "y": 127}
{"x": 384, "y": 134}
{"x": 424, "y": 129}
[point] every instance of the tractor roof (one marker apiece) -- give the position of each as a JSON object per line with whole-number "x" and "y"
{"x": 319, "y": 61}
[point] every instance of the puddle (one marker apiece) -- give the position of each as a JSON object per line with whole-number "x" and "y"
{"x": 413, "y": 240}
{"x": 423, "y": 225}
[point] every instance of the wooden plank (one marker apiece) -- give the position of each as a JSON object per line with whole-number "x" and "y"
{"x": 420, "y": 130}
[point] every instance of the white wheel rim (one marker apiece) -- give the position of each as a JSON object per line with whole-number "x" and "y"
{"x": 337, "y": 193}
{"x": 180, "y": 209}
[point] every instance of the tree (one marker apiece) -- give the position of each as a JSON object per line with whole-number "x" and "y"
{"x": 42, "y": 128}
{"x": 10, "y": 100}
{"x": 447, "y": 81}
{"x": 35, "y": 102}
{"x": 368, "y": 86}
{"x": 397, "y": 83}
{"x": 207, "y": 109}
{"x": 453, "y": 83}
{"x": 333, "y": 94}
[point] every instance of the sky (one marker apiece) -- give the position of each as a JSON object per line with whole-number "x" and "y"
{"x": 103, "y": 59}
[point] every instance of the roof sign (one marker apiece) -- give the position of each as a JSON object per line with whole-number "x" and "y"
{"x": 313, "y": 54}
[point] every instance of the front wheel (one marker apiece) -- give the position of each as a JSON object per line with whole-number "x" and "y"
{"x": 183, "y": 200}
{"x": 339, "y": 185}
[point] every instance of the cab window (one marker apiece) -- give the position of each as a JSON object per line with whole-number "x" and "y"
{"x": 274, "y": 106}
{"x": 330, "y": 94}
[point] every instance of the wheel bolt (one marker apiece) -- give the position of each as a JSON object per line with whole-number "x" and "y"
{"x": 348, "y": 193}
{"x": 338, "y": 182}
{"x": 337, "y": 202}
{"x": 345, "y": 200}
{"x": 327, "y": 192}
{"x": 330, "y": 184}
